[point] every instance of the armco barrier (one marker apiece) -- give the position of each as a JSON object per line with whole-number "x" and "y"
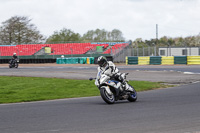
{"x": 75, "y": 60}
{"x": 180, "y": 59}
{"x": 143, "y": 60}
{"x": 155, "y": 60}
{"x": 193, "y": 60}
{"x": 132, "y": 60}
{"x": 49, "y": 58}
{"x": 167, "y": 60}
{"x": 83, "y": 60}
{"x": 60, "y": 60}
{"x": 90, "y": 60}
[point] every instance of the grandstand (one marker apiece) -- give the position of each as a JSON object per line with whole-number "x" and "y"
{"x": 58, "y": 49}
{"x": 33, "y": 51}
{"x": 115, "y": 49}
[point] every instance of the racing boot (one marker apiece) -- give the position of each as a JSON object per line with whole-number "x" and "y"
{"x": 127, "y": 87}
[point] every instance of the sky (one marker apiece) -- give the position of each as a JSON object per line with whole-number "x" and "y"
{"x": 134, "y": 18}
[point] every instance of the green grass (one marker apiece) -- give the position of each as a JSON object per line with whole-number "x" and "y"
{"x": 25, "y": 89}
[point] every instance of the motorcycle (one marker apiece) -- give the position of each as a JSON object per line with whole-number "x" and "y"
{"x": 112, "y": 90}
{"x": 14, "y": 63}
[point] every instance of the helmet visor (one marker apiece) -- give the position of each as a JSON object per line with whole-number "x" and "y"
{"x": 102, "y": 63}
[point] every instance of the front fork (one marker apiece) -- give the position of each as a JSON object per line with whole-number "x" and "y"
{"x": 107, "y": 88}
{"x": 116, "y": 94}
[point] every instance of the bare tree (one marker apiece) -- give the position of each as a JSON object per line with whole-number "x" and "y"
{"x": 117, "y": 35}
{"x": 103, "y": 35}
{"x": 19, "y": 30}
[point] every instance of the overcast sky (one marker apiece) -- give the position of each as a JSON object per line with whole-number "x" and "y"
{"x": 135, "y": 18}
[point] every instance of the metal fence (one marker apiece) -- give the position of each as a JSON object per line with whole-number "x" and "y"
{"x": 120, "y": 54}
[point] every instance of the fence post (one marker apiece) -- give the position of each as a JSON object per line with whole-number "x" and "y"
{"x": 186, "y": 49}
{"x": 143, "y": 50}
{"x": 71, "y": 52}
{"x": 18, "y": 53}
{"x": 198, "y": 51}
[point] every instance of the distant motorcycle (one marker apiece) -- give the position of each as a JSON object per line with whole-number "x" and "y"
{"x": 14, "y": 63}
{"x": 110, "y": 92}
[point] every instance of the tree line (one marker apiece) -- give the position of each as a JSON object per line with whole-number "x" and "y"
{"x": 20, "y": 30}
{"x": 190, "y": 41}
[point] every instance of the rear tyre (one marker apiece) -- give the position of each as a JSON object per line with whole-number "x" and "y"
{"x": 109, "y": 99}
{"x": 133, "y": 95}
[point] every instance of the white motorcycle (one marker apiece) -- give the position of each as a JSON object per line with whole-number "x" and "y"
{"x": 112, "y": 90}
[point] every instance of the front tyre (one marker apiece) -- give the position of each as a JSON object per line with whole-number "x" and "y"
{"x": 16, "y": 65}
{"x": 109, "y": 99}
{"x": 133, "y": 95}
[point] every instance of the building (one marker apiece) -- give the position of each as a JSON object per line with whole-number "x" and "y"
{"x": 179, "y": 51}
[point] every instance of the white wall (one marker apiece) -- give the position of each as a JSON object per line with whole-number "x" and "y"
{"x": 177, "y": 51}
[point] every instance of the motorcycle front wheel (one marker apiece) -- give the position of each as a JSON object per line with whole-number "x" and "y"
{"x": 133, "y": 95}
{"x": 109, "y": 99}
{"x": 16, "y": 65}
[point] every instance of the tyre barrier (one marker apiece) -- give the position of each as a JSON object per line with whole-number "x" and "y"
{"x": 193, "y": 60}
{"x": 155, "y": 60}
{"x": 132, "y": 60}
{"x": 180, "y": 60}
{"x": 167, "y": 60}
{"x": 143, "y": 60}
{"x": 27, "y": 61}
{"x": 163, "y": 60}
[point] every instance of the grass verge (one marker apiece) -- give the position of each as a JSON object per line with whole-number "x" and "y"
{"x": 25, "y": 89}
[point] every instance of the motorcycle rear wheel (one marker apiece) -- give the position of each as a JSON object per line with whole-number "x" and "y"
{"x": 109, "y": 99}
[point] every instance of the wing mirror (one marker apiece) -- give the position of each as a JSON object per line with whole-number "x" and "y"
{"x": 90, "y": 79}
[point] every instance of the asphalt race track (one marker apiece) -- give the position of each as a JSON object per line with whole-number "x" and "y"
{"x": 170, "y": 110}
{"x": 171, "y": 74}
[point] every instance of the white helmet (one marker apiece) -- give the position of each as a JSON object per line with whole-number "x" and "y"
{"x": 102, "y": 61}
{"x": 14, "y": 53}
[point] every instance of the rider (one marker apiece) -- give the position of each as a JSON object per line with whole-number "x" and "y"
{"x": 108, "y": 68}
{"x": 14, "y": 57}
